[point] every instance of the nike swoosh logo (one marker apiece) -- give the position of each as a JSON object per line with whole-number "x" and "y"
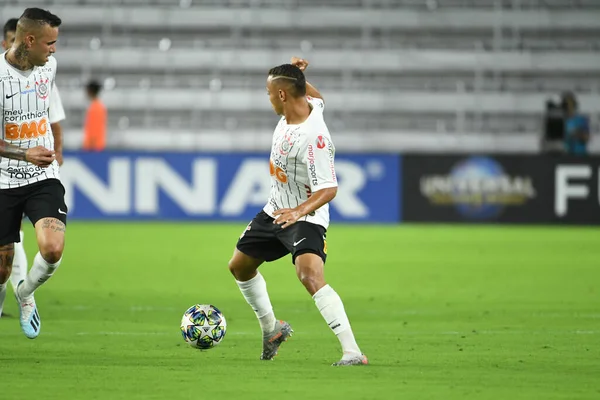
{"x": 298, "y": 242}
{"x": 61, "y": 212}
{"x": 8, "y": 96}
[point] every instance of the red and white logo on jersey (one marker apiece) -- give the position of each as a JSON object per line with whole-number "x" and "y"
{"x": 286, "y": 145}
{"x": 321, "y": 142}
{"x": 41, "y": 88}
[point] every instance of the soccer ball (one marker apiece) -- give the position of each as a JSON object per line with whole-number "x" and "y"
{"x": 203, "y": 326}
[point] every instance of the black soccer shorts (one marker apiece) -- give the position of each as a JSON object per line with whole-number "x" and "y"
{"x": 38, "y": 200}
{"x": 267, "y": 241}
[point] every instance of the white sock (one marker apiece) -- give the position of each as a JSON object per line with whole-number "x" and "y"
{"x": 40, "y": 272}
{"x": 19, "y": 269}
{"x": 331, "y": 308}
{"x": 255, "y": 293}
{"x": 2, "y": 296}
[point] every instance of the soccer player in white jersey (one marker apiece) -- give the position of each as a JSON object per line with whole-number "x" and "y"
{"x": 29, "y": 178}
{"x": 56, "y": 114}
{"x": 296, "y": 216}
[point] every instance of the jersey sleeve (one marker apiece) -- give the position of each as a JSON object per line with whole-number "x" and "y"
{"x": 56, "y": 110}
{"x": 316, "y": 103}
{"x": 319, "y": 159}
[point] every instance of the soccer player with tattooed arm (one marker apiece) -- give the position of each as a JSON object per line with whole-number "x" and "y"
{"x": 56, "y": 114}
{"x": 296, "y": 216}
{"x": 29, "y": 173}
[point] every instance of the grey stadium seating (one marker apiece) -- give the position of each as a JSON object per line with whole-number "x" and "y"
{"x": 444, "y": 67}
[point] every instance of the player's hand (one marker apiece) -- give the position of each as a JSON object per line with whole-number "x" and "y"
{"x": 286, "y": 217}
{"x": 300, "y": 63}
{"x": 59, "y": 157}
{"x": 40, "y": 156}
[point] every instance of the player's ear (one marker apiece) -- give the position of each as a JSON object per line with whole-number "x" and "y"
{"x": 282, "y": 95}
{"x": 29, "y": 39}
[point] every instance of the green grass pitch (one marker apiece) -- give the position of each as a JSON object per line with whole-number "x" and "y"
{"x": 443, "y": 312}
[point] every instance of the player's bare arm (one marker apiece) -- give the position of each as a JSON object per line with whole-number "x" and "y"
{"x": 10, "y": 151}
{"x": 58, "y": 142}
{"x": 313, "y": 92}
{"x": 288, "y": 216}
{"x": 39, "y": 155}
{"x": 310, "y": 89}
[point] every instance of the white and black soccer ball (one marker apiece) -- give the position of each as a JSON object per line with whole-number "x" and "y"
{"x": 203, "y": 326}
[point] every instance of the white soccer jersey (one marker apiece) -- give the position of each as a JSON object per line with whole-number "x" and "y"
{"x": 25, "y": 99}
{"x": 301, "y": 163}
{"x": 57, "y": 111}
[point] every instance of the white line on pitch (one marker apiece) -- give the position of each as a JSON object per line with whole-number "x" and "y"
{"x": 302, "y": 310}
{"x": 398, "y": 333}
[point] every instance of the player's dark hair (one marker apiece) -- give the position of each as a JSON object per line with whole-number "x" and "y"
{"x": 93, "y": 87}
{"x": 10, "y": 26}
{"x": 293, "y": 75}
{"x": 42, "y": 17}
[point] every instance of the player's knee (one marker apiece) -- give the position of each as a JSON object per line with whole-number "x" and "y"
{"x": 312, "y": 283}
{"x": 309, "y": 270}
{"x": 309, "y": 277}
{"x": 232, "y": 265}
{"x": 237, "y": 267}
{"x": 52, "y": 252}
{"x": 243, "y": 267}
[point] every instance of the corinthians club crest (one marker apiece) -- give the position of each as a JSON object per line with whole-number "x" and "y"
{"x": 286, "y": 145}
{"x": 42, "y": 88}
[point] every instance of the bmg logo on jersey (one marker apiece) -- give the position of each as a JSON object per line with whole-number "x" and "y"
{"x": 277, "y": 170}
{"x": 24, "y": 125}
{"x": 217, "y": 187}
{"x": 26, "y": 130}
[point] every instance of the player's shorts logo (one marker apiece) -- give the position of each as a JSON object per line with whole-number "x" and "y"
{"x": 41, "y": 88}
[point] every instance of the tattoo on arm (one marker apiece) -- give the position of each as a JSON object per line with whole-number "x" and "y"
{"x": 55, "y": 225}
{"x": 9, "y": 151}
